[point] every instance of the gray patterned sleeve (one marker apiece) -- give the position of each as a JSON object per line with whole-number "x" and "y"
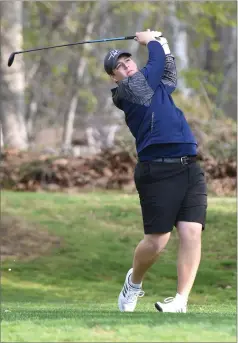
{"x": 136, "y": 90}
{"x": 170, "y": 73}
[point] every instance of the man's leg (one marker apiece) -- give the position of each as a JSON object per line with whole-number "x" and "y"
{"x": 146, "y": 253}
{"x": 189, "y": 255}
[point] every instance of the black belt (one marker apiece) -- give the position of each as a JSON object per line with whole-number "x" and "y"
{"x": 183, "y": 160}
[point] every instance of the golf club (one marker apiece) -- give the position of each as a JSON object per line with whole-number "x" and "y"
{"x": 12, "y": 56}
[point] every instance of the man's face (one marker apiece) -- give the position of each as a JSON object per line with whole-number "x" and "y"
{"x": 125, "y": 67}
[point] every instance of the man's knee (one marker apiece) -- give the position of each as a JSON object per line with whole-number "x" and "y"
{"x": 157, "y": 241}
{"x": 189, "y": 231}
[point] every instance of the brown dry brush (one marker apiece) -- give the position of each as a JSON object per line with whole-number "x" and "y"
{"x": 111, "y": 169}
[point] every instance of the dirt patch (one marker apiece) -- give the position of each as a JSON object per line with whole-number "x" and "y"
{"x": 23, "y": 241}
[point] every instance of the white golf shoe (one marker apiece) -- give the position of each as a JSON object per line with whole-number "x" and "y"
{"x": 177, "y": 304}
{"x": 128, "y": 297}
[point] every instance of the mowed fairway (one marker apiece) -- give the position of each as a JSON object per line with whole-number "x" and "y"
{"x": 70, "y": 294}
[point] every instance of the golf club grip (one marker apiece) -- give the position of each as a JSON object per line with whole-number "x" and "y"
{"x": 130, "y": 37}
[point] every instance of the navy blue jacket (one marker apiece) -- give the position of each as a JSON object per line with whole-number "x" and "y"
{"x": 146, "y": 100}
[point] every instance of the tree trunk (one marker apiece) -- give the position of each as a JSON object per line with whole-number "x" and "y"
{"x": 69, "y": 123}
{"x": 70, "y": 115}
{"x": 229, "y": 70}
{"x": 12, "y": 91}
{"x": 179, "y": 46}
{"x": 31, "y": 117}
{"x": 211, "y": 56}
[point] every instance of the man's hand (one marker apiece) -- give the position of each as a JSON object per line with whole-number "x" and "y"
{"x": 163, "y": 41}
{"x": 145, "y": 37}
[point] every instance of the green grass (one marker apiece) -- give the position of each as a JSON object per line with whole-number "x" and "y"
{"x": 71, "y": 294}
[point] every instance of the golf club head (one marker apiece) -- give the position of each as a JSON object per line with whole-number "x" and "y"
{"x": 11, "y": 59}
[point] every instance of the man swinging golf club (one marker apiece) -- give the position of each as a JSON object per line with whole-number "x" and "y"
{"x": 169, "y": 181}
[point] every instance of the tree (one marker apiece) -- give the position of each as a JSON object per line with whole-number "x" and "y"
{"x": 12, "y": 108}
{"x": 212, "y": 46}
{"x": 67, "y": 90}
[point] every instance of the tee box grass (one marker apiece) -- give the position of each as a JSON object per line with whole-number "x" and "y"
{"x": 69, "y": 294}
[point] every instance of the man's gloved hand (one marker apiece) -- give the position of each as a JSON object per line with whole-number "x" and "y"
{"x": 156, "y": 34}
{"x": 163, "y": 41}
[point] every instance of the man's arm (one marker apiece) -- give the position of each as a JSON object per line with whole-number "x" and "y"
{"x": 169, "y": 78}
{"x": 154, "y": 69}
{"x": 159, "y": 68}
{"x": 139, "y": 88}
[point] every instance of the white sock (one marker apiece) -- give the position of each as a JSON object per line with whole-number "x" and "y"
{"x": 135, "y": 285}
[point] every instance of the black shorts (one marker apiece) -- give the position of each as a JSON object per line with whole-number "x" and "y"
{"x": 170, "y": 192}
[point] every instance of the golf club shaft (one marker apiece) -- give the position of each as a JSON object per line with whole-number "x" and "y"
{"x": 12, "y": 56}
{"x": 83, "y": 42}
